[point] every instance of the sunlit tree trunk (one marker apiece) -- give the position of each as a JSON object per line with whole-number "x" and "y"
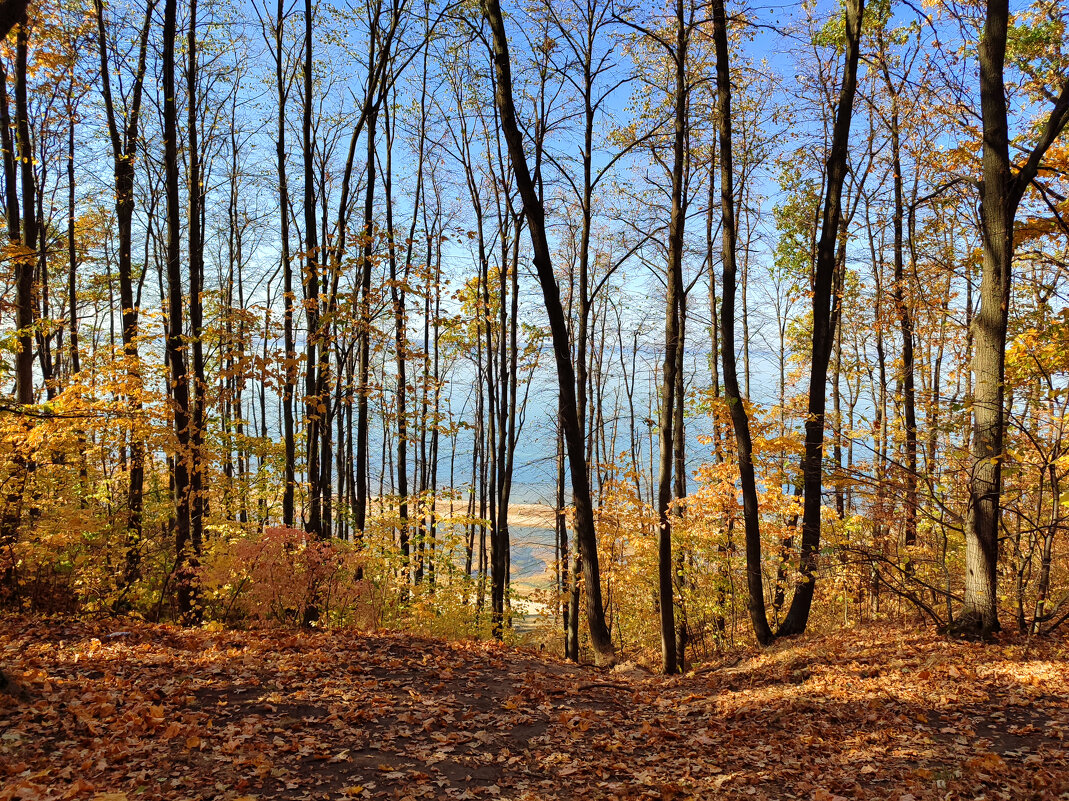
{"x": 1001, "y": 190}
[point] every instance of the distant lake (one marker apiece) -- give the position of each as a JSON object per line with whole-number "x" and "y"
{"x": 532, "y": 551}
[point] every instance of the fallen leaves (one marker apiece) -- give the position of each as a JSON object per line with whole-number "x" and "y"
{"x": 162, "y": 713}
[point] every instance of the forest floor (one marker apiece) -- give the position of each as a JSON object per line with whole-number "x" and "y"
{"x": 118, "y": 710}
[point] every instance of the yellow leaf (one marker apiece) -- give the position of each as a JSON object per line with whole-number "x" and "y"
{"x": 987, "y": 762}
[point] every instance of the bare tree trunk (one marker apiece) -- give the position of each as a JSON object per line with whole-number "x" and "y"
{"x": 186, "y": 557}
{"x": 290, "y": 365}
{"x": 535, "y": 214}
{"x": 679, "y": 487}
{"x": 124, "y": 145}
{"x": 199, "y": 507}
{"x": 364, "y": 332}
{"x": 25, "y": 261}
{"x": 674, "y": 283}
{"x": 398, "y": 290}
{"x": 825, "y": 307}
{"x": 313, "y": 523}
{"x": 739, "y": 419}
{"x": 72, "y": 247}
{"x": 905, "y": 317}
{"x": 9, "y": 523}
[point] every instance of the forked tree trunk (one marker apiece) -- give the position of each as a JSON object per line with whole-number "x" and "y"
{"x": 124, "y": 143}
{"x": 674, "y": 283}
{"x": 1000, "y": 195}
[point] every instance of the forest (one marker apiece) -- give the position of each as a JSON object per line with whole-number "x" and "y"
{"x": 638, "y": 332}
{"x": 557, "y": 399}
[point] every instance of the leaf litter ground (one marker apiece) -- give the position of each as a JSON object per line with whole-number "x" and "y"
{"x": 121, "y": 710}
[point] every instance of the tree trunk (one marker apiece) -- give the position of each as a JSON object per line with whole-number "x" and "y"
{"x": 824, "y": 316}
{"x": 905, "y": 317}
{"x": 199, "y": 500}
{"x": 124, "y": 143}
{"x": 26, "y": 260}
{"x": 289, "y": 384}
{"x": 364, "y": 332}
{"x": 313, "y": 522}
{"x": 186, "y": 558}
{"x": 535, "y": 214}
{"x": 739, "y": 419}
{"x": 674, "y": 284}
{"x": 1000, "y": 195}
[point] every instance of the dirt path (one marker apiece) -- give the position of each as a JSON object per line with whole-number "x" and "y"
{"x": 117, "y": 710}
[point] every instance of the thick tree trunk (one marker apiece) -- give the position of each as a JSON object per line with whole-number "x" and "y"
{"x": 1000, "y": 195}
{"x": 997, "y": 209}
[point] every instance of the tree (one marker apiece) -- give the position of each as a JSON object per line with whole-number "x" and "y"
{"x": 26, "y": 260}
{"x": 739, "y": 419}
{"x": 825, "y": 313}
{"x": 1002, "y": 187}
{"x": 124, "y": 146}
{"x": 670, "y": 397}
{"x": 273, "y": 35}
{"x": 186, "y": 548}
{"x": 573, "y": 432}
